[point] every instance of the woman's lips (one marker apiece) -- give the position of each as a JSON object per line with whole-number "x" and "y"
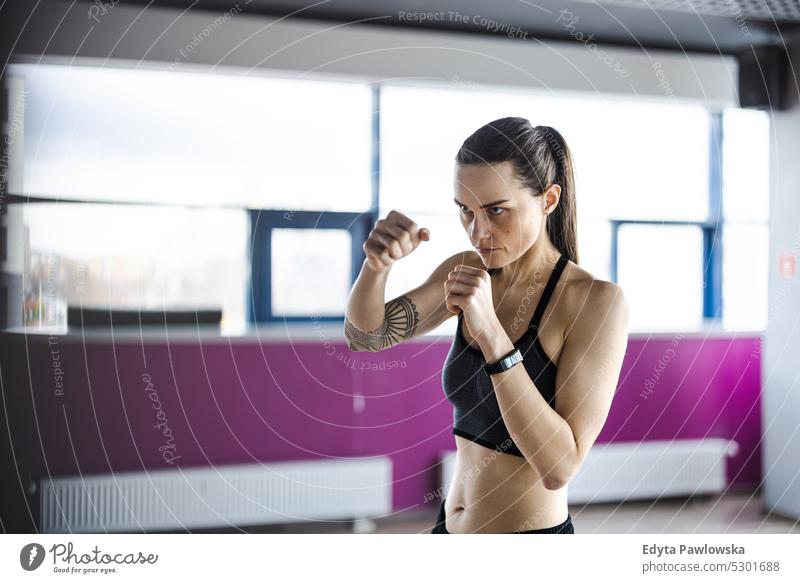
{"x": 486, "y": 250}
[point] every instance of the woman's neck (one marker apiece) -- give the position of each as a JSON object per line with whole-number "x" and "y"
{"x": 532, "y": 267}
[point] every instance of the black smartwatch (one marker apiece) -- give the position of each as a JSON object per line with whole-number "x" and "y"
{"x": 504, "y": 363}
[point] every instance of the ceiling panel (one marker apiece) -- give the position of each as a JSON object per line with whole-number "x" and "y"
{"x": 717, "y": 26}
{"x": 768, "y": 10}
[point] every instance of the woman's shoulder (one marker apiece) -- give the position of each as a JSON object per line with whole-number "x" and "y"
{"x": 583, "y": 288}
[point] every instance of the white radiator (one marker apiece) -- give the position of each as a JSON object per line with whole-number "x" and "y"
{"x": 643, "y": 470}
{"x": 218, "y": 496}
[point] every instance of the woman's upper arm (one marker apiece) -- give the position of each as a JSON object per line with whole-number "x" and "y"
{"x": 415, "y": 312}
{"x": 590, "y": 363}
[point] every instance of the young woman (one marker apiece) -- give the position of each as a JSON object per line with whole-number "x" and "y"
{"x": 539, "y": 346}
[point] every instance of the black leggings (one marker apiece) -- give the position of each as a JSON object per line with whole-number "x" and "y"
{"x": 563, "y": 528}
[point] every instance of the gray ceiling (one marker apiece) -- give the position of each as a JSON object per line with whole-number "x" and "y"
{"x": 718, "y": 26}
{"x": 754, "y": 9}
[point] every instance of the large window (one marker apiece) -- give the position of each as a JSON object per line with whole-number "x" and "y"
{"x": 200, "y": 139}
{"x": 133, "y": 257}
{"x": 679, "y": 222}
{"x": 644, "y": 179}
{"x": 187, "y": 154}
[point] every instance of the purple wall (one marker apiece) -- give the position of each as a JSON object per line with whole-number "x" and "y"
{"x": 243, "y": 402}
{"x": 690, "y": 388}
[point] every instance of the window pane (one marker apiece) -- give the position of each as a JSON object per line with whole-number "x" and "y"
{"x": 213, "y": 139}
{"x": 642, "y": 161}
{"x": 745, "y": 276}
{"x": 133, "y": 257}
{"x": 310, "y": 271}
{"x": 638, "y": 160}
{"x": 745, "y": 168}
{"x": 421, "y": 131}
{"x": 661, "y": 270}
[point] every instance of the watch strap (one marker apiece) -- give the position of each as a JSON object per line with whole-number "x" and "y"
{"x": 505, "y": 363}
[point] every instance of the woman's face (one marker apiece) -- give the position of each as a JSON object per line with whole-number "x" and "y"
{"x": 501, "y": 217}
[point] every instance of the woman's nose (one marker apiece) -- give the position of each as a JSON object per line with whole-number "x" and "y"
{"x": 480, "y": 228}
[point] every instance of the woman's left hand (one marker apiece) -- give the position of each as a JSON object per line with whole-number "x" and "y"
{"x": 469, "y": 290}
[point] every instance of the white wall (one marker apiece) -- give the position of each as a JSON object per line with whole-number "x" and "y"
{"x": 780, "y": 412}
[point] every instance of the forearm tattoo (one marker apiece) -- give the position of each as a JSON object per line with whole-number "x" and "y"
{"x": 399, "y": 322}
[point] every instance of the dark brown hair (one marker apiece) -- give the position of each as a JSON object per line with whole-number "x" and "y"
{"x": 540, "y": 157}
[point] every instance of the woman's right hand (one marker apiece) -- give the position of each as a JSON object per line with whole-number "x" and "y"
{"x": 391, "y": 239}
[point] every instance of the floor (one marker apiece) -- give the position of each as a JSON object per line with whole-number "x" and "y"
{"x": 727, "y": 514}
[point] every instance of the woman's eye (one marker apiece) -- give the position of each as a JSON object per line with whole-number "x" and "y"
{"x": 499, "y": 210}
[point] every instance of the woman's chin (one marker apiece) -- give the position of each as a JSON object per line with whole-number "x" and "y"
{"x": 491, "y": 259}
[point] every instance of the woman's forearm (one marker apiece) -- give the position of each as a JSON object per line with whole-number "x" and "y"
{"x": 365, "y": 314}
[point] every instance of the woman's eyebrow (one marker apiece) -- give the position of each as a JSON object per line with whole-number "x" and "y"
{"x": 485, "y": 205}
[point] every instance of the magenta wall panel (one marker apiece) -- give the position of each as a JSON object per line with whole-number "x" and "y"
{"x": 158, "y": 404}
{"x": 690, "y": 388}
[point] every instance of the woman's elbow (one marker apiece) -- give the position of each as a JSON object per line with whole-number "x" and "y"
{"x": 556, "y": 479}
{"x": 552, "y": 483}
{"x": 361, "y": 346}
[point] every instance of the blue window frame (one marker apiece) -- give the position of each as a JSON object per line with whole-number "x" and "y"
{"x": 262, "y": 224}
{"x": 712, "y": 228}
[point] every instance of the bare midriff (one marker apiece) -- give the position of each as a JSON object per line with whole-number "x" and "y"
{"x": 496, "y": 492}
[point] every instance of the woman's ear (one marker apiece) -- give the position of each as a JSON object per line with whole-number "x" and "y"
{"x": 551, "y": 197}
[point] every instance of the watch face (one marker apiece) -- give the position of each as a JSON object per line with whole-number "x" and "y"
{"x": 504, "y": 363}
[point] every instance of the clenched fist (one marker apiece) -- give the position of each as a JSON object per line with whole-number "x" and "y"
{"x": 468, "y": 290}
{"x": 391, "y": 239}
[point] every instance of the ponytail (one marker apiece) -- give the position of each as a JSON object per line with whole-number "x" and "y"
{"x": 562, "y": 222}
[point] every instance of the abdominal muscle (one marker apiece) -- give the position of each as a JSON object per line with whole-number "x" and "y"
{"x": 496, "y": 492}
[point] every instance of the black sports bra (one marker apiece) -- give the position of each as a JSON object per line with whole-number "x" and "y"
{"x": 476, "y": 413}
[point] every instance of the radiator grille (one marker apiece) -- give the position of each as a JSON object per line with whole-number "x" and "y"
{"x": 614, "y": 472}
{"x": 221, "y": 496}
